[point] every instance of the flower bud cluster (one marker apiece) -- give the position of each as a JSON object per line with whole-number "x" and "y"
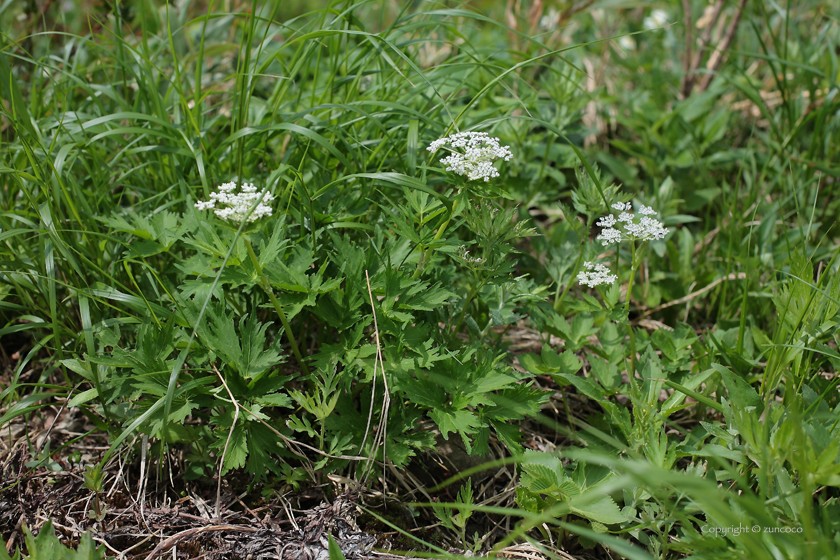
{"x": 643, "y": 229}
{"x": 480, "y": 151}
{"x": 465, "y": 256}
{"x": 595, "y": 275}
{"x": 234, "y": 206}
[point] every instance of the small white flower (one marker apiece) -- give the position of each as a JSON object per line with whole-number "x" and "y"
{"x": 657, "y": 18}
{"x": 480, "y": 151}
{"x": 595, "y": 275}
{"x": 627, "y": 43}
{"x": 645, "y": 229}
{"x": 234, "y": 206}
{"x": 607, "y": 221}
{"x": 609, "y": 236}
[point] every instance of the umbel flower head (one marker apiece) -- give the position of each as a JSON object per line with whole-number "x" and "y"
{"x": 234, "y": 206}
{"x": 643, "y": 229}
{"x": 480, "y": 151}
{"x": 595, "y": 275}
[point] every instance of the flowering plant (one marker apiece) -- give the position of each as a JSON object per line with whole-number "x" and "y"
{"x": 236, "y": 206}
{"x": 480, "y": 151}
{"x": 643, "y": 229}
{"x": 595, "y": 275}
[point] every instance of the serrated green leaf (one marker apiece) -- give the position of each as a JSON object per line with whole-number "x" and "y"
{"x": 237, "y": 450}
{"x": 274, "y": 399}
{"x": 462, "y": 422}
{"x": 606, "y": 373}
{"x": 597, "y": 507}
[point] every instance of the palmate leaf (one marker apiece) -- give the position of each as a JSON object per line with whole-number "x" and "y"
{"x": 237, "y": 448}
{"x": 550, "y": 361}
{"x": 515, "y": 403}
{"x": 251, "y": 445}
{"x": 403, "y": 294}
{"x": 543, "y": 473}
{"x": 291, "y": 274}
{"x": 448, "y": 420}
{"x": 207, "y": 240}
{"x": 270, "y": 250}
{"x": 158, "y": 231}
{"x": 423, "y": 391}
{"x": 243, "y": 350}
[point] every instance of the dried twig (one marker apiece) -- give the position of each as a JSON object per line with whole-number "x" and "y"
{"x": 689, "y": 39}
{"x": 144, "y": 476}
{"x": 173, "y": 540}
{"x": 227, "y": 441}
{"x": 716, "y": 58}
{"x": 705, "y": 38}
{"x": 701, "y": 291}
{"x": 381, "y": 433}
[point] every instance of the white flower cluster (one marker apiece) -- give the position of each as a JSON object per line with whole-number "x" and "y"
{"x": 235, "y": 205}
{"x": 645, "y": 229}
{"x": 480, "y": 151}
{"x": 657, "y": 18}
{"x": 595, "y": 275}
{"x": 465, "y": 255}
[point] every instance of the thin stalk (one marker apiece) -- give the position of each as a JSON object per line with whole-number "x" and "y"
{"x": 266, "y": 286}
{"x": 559, "y": 301}
{"x": 425, "y": 256}
{"x": 470, "y": 295}
{"x": 631, "y": 374}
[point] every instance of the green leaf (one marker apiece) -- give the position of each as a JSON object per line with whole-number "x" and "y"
{"x": 82, "y": 398}
{"x": 244, "y": 350}
{"x": 274, "y": 399}
{"x": 741, "y": 393}
{"x": 335, "y": 551}
{"x": 237, "y": 450}
{"x": 598, "y": 507}
{"x": 532, "y": 363}
{"x": 606, "y": 373}
{"x": 463, "y": 422}
{"x": 46, "y": 546}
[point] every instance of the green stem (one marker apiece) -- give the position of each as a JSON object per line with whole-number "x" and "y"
{"x": 559, "y": 302}
{"x": 631, "y": 374}
{"x": 425, "y": 256}
{"x": 266, "y": 286}
{"x": 471, "y": 294}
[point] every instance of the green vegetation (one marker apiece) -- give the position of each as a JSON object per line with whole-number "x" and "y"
{"x": 388, "y": 306}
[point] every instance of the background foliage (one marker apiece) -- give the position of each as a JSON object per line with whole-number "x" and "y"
{"x": 427, "y": 309}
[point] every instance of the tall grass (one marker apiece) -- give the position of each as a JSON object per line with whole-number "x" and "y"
{"x": 112, "y": 130}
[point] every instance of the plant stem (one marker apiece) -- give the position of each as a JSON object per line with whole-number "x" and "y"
{"x": 425, "y": 256}
{"x": 631, "y": 374}
{"x": 559, "y": 302}
{"x": 266, "y": 286}
{"x": 471, "y": 294}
